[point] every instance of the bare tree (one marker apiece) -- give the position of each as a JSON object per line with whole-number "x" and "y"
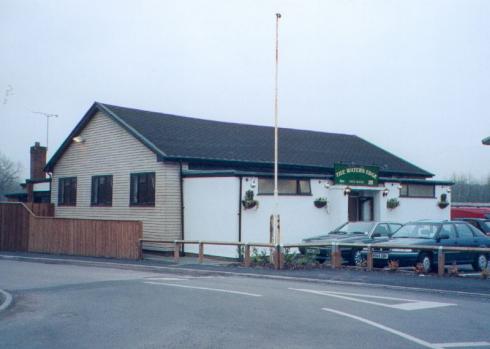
{"x": 467, "y": 189}
{"x": 9, "y": 175}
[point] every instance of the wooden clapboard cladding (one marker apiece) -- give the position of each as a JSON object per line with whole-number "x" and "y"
{"x": 21, "y": 230}
{"x": 108, "y": 149}
{"x": 41, "y": 209}
{"x": 14, "y": 227}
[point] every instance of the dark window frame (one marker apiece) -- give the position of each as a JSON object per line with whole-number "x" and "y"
{"x": 67, "y": 198}
{"x": 135, "y": 195}
{"x": 298, "y": 187}
{"x": 407, "y": 185}
{"x": 97, "y": 191}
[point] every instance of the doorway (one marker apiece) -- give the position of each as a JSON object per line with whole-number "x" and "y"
{"x": 361, "y": 207}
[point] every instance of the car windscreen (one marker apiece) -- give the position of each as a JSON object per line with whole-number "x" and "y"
{"x": 418, "y": 231}
{"x": 354, "y": 228}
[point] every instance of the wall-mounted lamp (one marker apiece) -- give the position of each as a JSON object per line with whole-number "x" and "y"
{"x": 385, "y": 192}
{"x": 253, "y": 183}
{"x": 78, "y": 139}
{"x": 448, "y": 190}
{"x": 327, "y": 185}
{"x": 347, "y": 190}
{"x": 400, "y": 187}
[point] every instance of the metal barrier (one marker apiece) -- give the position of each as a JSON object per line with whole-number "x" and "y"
{"x": 335, "y": 255}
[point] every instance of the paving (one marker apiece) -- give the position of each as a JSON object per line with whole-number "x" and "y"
{"x": 81, "y": 306}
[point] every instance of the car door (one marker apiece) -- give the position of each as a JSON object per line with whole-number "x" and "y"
{"x": 465, "y": 239}
{"x": 450, "y": 230}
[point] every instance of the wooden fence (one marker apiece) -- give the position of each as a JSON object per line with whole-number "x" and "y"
{"x": 21, "y": 230}
{"x": 41, "y": 209}
{"x": 14, "y": 227}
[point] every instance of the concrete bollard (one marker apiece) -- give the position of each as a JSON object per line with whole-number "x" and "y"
{"x": 201, "y": 252}
{"x": 441, "y": 261}
{"x": 246, "y": 257}
{"x": 369, "y": 258}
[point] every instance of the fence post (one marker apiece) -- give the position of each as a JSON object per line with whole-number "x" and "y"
{"x": 333, "y": 255}
{"x": 140, "y": 246}
{"x": 201, "y": 252}
{"x": 176, "y": 251}
{"x": 246, "y": 258}
{"x": 441, "y": 261}
{"x": 277, "y": 257}
{"x": 369, "y": 258}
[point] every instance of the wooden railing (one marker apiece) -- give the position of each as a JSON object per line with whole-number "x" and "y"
{"x": 21, "y": 230}
{"x": 335, "y": 255}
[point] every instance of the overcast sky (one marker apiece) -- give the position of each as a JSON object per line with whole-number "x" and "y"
{"x": 410, "y": 76}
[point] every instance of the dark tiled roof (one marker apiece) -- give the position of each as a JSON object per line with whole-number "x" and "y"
{"x": 185, "y": 137}
{"x": 176, "y": 137}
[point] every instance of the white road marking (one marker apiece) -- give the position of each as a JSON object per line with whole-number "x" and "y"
{"x": 206, "y": 289}
{"x": 462, "y": 345}
{"x": 408, "y": 305}
{"x": 385, "y": 328}
{"x": 166, "y": 279}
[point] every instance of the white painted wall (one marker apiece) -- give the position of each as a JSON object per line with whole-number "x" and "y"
{"x": 211, "y": 213}
{"x": 299, "y": 217}
{"x": 110, "y": 149}
{"x": 411, "y": 209}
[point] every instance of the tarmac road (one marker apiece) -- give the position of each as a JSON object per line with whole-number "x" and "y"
{"x": 69, "y": 306}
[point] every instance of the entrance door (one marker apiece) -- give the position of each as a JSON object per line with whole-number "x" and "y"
{"x": 353, "y": 208}
{"x": 366, "y": 209}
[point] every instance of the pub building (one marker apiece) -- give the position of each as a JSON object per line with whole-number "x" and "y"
{"x": 196, "y": 179}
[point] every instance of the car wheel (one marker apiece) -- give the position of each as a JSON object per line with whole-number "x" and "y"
{"x": 357, "y": 258}
{"x": 426, "y": 261}
{"x": 480, "y": 263}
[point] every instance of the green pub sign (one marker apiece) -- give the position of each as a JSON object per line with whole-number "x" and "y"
{"x": 356, "y": 175}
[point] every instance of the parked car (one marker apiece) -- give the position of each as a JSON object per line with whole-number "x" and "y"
{"x": 482, "y": 224}
{"x": 433, "y": 233}
{"x": 350, "y": 232}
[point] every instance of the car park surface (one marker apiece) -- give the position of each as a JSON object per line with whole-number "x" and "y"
{"x": 436, "y": 234}
{"x": 350, "y": 232}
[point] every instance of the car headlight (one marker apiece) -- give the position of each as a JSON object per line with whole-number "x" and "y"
{"x": 401, "y": 250}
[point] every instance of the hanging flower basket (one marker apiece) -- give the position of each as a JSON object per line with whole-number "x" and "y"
{"x": 320, "y": 202}
{"x": 443, "y": 203}
{"x": 392, "y": 203}
{"x": 249, "y": 201}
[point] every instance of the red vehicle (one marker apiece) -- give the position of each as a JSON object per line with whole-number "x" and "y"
{"x": 470, "y": 212}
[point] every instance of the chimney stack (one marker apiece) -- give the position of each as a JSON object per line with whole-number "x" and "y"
{"x": 38, "y": 161}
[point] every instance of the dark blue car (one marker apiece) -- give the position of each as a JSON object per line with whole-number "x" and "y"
{"x": 433, "y": 233}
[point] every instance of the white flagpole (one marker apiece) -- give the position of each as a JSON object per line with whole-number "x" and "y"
{"x": 276, "y": 235}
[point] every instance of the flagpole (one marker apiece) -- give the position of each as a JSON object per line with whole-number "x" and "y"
{"x": 276, "y": 234}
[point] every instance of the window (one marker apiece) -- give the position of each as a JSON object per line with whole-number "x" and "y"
{"x": 417, "y": 191}
{"x": 382, "y": 229}
{"x": 464, "y": 231}
{"x": 101, "y": 191}
{"x": 67, "y": 191}
{"x": 285, "y": 186}
{"x": 394, "y": 227}
{"x": 449, "y": 230}
{"x": 142, "y": 189}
